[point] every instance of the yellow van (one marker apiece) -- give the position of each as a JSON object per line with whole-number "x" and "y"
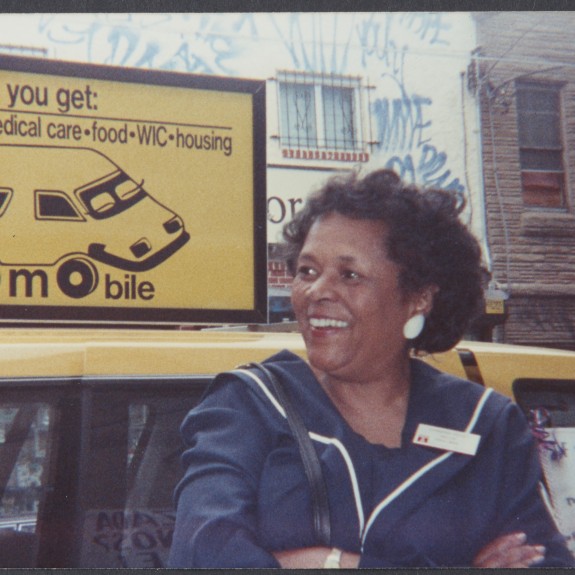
{"x": 89, "y": 439}
{"x": 85, "y": 209}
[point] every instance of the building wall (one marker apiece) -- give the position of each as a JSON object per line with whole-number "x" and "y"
{"x": 532, "y": 249}
{"x": 417, "y": 115}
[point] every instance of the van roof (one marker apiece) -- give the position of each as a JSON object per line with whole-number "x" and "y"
{"x": 95, "y": 352}
{"x": 92, "y": 352}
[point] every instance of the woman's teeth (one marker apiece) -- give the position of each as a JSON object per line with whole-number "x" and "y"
{"x": 323, "y": 322}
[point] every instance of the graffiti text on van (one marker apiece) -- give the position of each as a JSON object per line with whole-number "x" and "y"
{"x": 136, "y": 538}
{"x": 66, "y": 99}
{"x": 31, "y": 282}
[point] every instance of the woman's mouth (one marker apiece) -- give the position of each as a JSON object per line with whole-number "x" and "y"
{"x": 324, "y": 322}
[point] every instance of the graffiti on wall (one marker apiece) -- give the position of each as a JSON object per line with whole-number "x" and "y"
{"x": 403, "y": 128}
{"x": 194, "y": 43}
{"x": 338, "y": 43}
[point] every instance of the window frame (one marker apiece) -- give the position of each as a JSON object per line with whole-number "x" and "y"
{"x": 543, "y": 187}
{"x": 318, "y": 82}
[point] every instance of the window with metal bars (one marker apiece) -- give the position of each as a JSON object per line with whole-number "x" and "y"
{"x": 319, "y": 111}
{"x": 540, "y": 144}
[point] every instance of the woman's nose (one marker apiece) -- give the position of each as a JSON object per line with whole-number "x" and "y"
{"x": 322, "y": 288}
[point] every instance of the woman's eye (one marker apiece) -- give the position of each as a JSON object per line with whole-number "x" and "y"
{"x": 350, "y": 275}
{"x": 306, "y": 271}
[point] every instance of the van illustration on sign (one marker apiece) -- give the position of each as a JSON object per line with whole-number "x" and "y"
{"x": 72, "y": 206}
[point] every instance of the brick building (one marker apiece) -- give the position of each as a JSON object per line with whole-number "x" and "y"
{"x": 279, "y": 280}
{"x": 522, "y": 73}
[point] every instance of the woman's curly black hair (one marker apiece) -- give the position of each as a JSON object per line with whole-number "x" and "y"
{"x": 425, "y": 238}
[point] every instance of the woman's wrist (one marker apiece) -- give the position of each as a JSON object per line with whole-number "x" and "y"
{"x": 333, "y": 559}
{"x": 338, "y": 559}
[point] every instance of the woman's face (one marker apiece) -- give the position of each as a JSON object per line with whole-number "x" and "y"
{"x": 347, "y": 300}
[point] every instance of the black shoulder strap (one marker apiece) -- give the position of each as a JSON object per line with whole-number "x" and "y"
{"x": 322, "y": 523}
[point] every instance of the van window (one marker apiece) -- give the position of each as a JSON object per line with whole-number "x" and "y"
{"x": 550, "y": 406}
{"x": 555, "y": 396}
{"x": 5, "y": 195}
{"x": 55, "y": 206}
{"x": 131, "y": 471}
{"x": 26, "y": 441}
{"x": 88, "y": 468}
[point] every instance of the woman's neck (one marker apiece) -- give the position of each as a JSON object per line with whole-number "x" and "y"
{"x": 377, "y": 408}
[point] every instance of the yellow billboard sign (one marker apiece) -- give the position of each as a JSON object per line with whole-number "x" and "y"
{"x": 131, "y": 196}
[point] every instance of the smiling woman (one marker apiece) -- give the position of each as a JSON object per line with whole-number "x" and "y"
{"x": 422, "y": 469}
{"x": 344, "y": 286}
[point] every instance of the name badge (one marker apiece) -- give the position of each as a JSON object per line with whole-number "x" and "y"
{"x": 447, "y": 439}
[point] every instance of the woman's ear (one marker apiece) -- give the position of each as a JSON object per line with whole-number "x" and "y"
{"x": 423, "y": 301}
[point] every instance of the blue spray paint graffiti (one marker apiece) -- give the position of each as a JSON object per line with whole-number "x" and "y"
{"x": 429, "y": 169}
{"x": 429, "y": 27}
{"x": 375, "y": 38}
{"x": 401, "y": 125}
{"x": 319, "y": 43}
{"x": 188, "y": 43}
{"x": 388, "y": 39}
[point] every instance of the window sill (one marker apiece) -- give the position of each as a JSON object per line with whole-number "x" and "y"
{"x": 324, "y": 155}
{"x": 548, "y": 224}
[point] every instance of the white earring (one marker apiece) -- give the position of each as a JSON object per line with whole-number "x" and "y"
{"x": 414, "y": 326}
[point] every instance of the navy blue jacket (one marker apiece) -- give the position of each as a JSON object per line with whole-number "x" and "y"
{"x": 245, "y": 493}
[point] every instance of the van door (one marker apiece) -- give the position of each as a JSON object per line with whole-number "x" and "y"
{"x": 30, "y": 444}
{"x": 88, "y": 468}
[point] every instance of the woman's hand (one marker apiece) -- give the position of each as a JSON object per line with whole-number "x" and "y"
{"x": 313, "y": 558}
{"x": 509, "y": 551}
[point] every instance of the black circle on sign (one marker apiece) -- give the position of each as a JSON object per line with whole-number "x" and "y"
{"x": 88, "y": 274}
